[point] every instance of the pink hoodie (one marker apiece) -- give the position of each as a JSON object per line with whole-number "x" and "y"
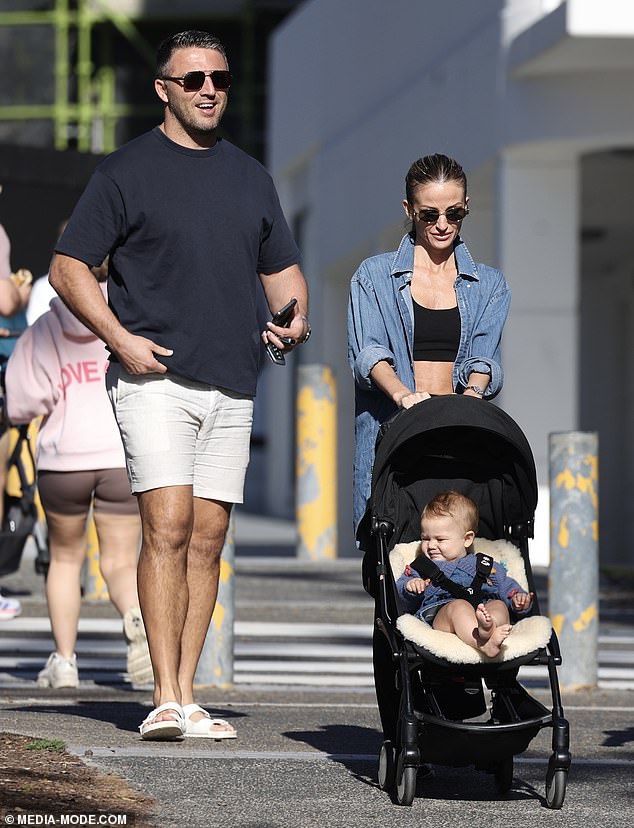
{"x": 57, "y": 369}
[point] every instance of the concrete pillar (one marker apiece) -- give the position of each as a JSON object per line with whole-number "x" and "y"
{"x": 573, "y": 593}
{"x": 537, "y": 242}
{"x": 215, "y": 668}
{"x": 316, "y": 503}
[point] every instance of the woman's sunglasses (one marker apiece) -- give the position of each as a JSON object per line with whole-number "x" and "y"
{"x": 194, "y": 81}
{"x": 430, "y": 215}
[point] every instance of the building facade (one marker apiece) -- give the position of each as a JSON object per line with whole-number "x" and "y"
{"x": 533, "y": 97}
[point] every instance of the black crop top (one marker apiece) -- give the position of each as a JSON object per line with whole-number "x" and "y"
{"x": 436, "y": 334}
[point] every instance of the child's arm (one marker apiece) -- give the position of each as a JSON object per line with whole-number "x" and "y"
{"x": 513, "y": 595}
{"x": 409, "y": 596}
{"x": 521, "y": 601}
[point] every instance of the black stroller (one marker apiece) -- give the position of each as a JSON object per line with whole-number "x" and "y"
{"x": 20, "y": 511}
{"x": 434, "y": 710}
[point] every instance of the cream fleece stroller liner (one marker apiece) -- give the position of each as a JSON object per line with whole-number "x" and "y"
{"x": 527, "y": 635}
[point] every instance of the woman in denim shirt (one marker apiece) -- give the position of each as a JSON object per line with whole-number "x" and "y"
{"x": 400, "y": 348}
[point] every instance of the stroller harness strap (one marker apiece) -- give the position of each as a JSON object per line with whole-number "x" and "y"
{"x": 472, "y": 593}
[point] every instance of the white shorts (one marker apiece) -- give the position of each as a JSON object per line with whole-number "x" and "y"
{"x": 177, "y": 432}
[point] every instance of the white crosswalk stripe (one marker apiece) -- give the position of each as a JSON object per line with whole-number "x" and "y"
{"x": 308, "y": 654}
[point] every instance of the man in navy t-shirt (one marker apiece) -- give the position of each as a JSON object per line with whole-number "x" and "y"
{"x": 191, "y": 224}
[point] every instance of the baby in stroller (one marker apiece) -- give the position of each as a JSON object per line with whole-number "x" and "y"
{"x": 443, "y": 701}
{"x": 448, "y": 526}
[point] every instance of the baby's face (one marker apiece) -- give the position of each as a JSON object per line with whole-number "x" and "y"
{"x": 443, "y": 538}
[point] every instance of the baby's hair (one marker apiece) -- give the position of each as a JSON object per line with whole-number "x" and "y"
{"x": 455, "y": 505}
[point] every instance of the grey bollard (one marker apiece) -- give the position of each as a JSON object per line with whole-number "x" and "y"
{"x": 316, "y": 487}
{"x": 215, "y": 667}
{"x": 573, "y": 593}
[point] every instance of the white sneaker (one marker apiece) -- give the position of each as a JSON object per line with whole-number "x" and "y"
{"x": 59, "y": 672}
{"x": 139, "y": 664}
{"x": 9, "y": 608}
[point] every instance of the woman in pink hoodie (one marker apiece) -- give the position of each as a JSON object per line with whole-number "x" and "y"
{"x": 57, "y": 370}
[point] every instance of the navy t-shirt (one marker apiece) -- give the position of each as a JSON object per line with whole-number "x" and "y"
{"x": 188, "y": 231}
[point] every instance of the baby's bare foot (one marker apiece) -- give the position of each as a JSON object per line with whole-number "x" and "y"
{"x": 486, "y": 624}
{"x": 492, "y": 646}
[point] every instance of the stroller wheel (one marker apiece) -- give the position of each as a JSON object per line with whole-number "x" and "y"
{"x": 504, "y": 775}
{"x": 386, "y": 770}
{"x": 555, "y": 788}
{"x": 405, "y": 783}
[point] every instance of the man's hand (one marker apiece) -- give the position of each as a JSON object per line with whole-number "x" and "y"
{"x": 416, "y": 585}
{"x": 138, "y": 354}
{"x": 286, "y": 338}
{"x": 278, "y": 289}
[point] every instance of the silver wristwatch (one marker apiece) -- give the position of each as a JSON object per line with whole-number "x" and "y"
{"x": 306, "y": 336}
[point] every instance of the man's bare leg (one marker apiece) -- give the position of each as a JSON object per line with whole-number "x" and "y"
{"x": 167, "y": 515}
{"x": 211, "y": 520}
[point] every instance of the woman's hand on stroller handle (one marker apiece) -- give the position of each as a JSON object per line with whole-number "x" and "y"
{"x": 411, "y": 398}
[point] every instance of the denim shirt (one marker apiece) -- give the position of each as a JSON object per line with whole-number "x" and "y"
{"x": 380, "y": 327}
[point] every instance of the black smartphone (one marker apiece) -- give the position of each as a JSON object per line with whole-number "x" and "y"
{"x": 281, "y": 318}
{"x": 285, "y": 314}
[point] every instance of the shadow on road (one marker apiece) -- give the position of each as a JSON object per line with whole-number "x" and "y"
{"x": 618, "y": 738}
{"x": 124, "y": 715}
{"x": 352, "y": 746}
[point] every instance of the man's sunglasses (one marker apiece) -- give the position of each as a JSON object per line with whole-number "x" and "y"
{"x": 194, "y": 81}
{"x": 430, "y": 215}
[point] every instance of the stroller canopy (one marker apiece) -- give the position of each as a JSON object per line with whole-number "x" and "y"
{"x": 451, "y": 442}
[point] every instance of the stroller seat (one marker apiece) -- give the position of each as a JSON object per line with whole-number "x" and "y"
{"x": 527, "y": 637}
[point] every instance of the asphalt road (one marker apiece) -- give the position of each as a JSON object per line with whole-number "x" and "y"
{"x": 306, "y": 757}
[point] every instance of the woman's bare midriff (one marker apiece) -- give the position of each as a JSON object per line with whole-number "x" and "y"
{"x": 434, "y": 377}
